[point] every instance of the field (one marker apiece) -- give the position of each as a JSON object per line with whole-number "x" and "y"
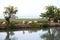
{"x": 25, "y": 19}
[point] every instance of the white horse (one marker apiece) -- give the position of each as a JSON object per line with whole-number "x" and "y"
{"x": 3, "y": 22}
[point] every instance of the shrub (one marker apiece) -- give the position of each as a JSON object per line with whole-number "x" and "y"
{"x": 12, "y": 25}
{"x": 42, "y": 21}
{"x": 33, "y": 24}
{"x": 45, "y": 25}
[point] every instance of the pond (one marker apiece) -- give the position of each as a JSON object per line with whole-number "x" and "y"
{"x": 31, "y": 34}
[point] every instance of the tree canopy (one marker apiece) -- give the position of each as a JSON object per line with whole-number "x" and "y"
{"x": 51, "y": 12}
{"x": 9, "y": 11}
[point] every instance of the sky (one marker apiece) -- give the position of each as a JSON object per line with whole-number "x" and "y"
{"x": 28, "y": 8}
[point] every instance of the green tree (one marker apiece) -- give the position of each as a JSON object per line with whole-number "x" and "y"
{"x": 9, "y": 11}
{"x": 51, "y": 12}
{"x": 57, "y": 14}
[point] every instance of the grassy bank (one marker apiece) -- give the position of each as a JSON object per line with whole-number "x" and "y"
{"x": 26, "y": 19}
{"x": 17, "y": 23}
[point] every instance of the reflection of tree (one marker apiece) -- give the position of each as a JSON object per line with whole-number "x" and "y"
{"x": 52, "y": 34}
{"x": 10, "y": 33}
{"x": 23, "y": 32}
{"x": 33, "y": 30}
{"x": 7, "y": 37}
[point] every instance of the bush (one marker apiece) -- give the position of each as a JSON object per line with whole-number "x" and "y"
{"x": 42, "y": 21}
{"x": 33, "y": 24}
{"x": 12, "y": 25}
{"x": 26, "y": 22}
{"x": 45, "y": 25}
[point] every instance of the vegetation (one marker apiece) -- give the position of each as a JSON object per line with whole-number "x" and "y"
{"x": 12, "y": 26}
{"x": 9, "y": 11}
{"x": 33, "y": 24}
{"x": 51, "y": 12}
{"x": 20, "y": 20}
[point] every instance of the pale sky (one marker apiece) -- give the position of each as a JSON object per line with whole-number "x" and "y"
{"x": 28, "y": 8}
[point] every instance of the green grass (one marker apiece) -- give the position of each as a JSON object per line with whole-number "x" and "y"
{"x": 20, "y": 20}
{"x": 33, "y": 24}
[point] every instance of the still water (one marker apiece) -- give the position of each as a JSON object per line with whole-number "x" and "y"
{"x": 31, "y": 34}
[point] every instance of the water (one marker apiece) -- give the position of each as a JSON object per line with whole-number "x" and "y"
{"x": 29, "y": 34}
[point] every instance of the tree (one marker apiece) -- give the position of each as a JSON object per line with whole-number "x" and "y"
{"x": 9, "y": 11}
{"x": 57, "y": 15}
{"x": 51, "y": 12}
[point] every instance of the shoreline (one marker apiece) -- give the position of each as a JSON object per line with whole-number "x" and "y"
{"x": 19, "y": 26}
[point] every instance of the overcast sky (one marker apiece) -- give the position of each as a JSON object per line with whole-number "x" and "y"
{"x": 28, "y": 8}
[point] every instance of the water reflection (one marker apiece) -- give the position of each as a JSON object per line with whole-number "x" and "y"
{"x": 32, "y": 34}
{"x": 24, "y": 34}
{"x": 10, "y": 36}
{"x": 52, "y": 34}
{"x": 7, "y": 37}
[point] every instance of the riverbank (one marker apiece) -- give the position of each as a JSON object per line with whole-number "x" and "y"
{"x": 22, "y": 26}
{"x": 29, "y": 23}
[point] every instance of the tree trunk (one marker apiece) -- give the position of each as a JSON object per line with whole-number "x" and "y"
{"x": 8, "y": 23}
{"x": 49, "y": 20}
{"x": 8, "y": 20}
